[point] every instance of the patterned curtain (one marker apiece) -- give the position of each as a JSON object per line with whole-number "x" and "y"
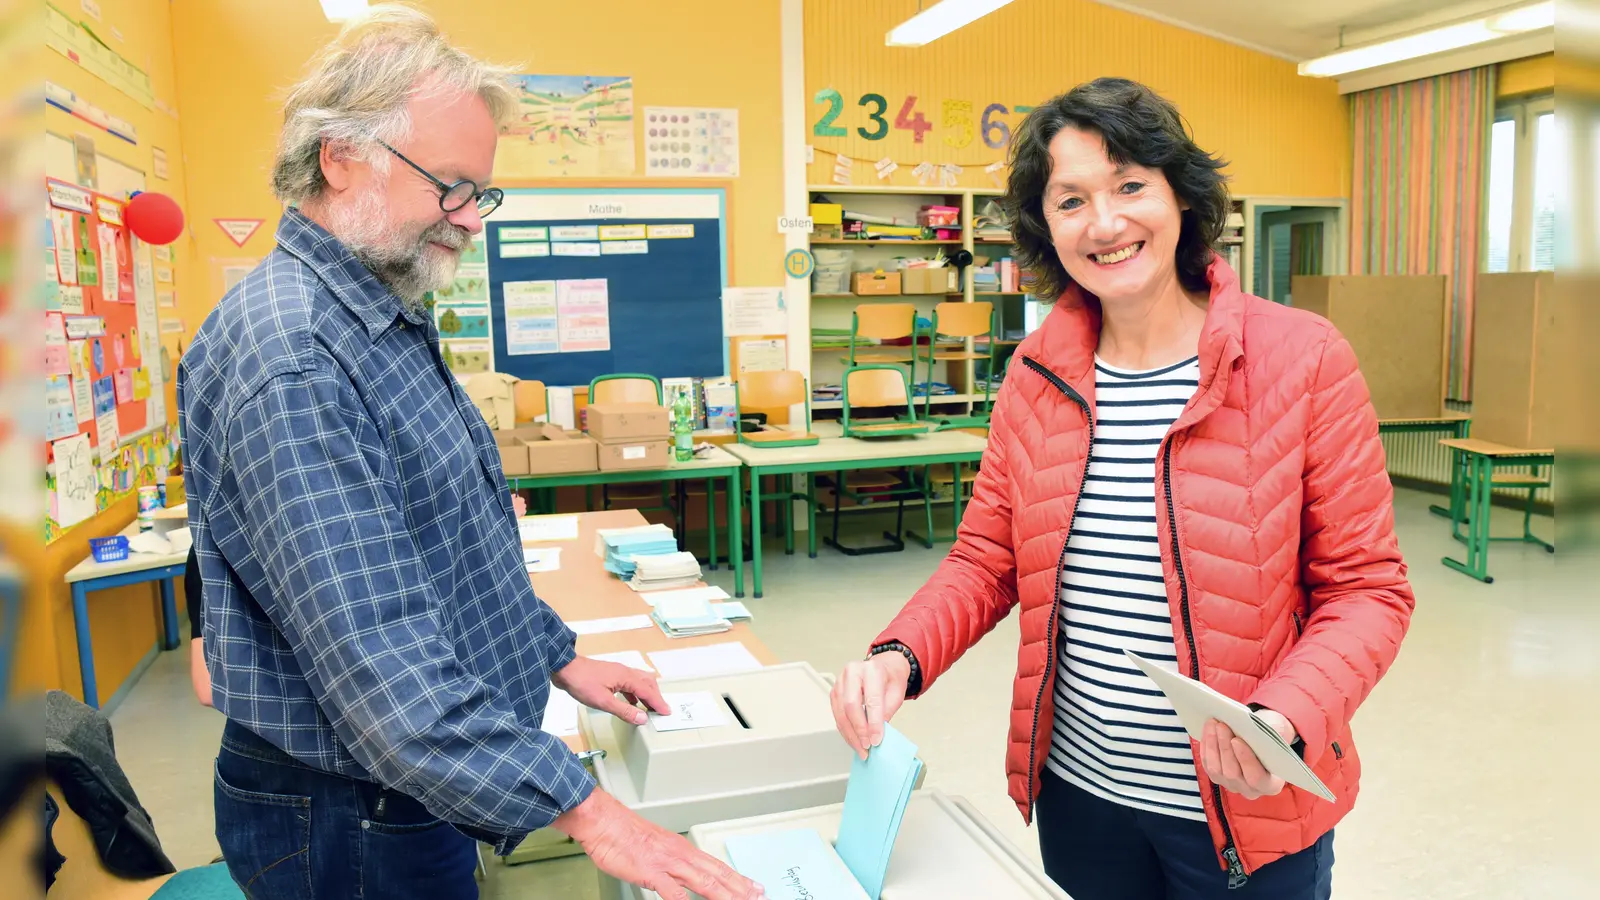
{"x": 1417, "y": 197}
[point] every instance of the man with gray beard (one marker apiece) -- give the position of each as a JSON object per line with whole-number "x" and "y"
{"x": 370, "y": 631}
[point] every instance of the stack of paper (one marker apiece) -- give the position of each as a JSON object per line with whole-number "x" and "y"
{"x": 665, "y": 572}
{"x": 711, "y": 593}
{"x": 688, "y": 617}
{"x": 622, "y": 549}
{"x": 874, "y": 803}
{"x": 798, "y": 864}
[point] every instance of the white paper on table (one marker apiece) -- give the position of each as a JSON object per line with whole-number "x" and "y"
{"x": 541, "y": 559}
{"x": 548, "y": 528}
{"x": 633, "y": 659}
{"x": 1197, "y": 704}
{"x": 731, "y": 610}
{"x": 560, "y": 714}
{"x": 697, "y": 709}
{"x": 560, "y": 403}
{"x": 700, "y": 662}
{"x": 672, "y": 609}
{"x": 709, "y": 594}
{"x": 616, "y": 623}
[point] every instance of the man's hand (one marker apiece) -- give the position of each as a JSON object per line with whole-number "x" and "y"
{"x": 867, "y": 695}
{"x": 1230, "y": 762}
{"x": 630, "y": 849}
{"x": 519, "y": 504}
{"x": 596, "y": 685}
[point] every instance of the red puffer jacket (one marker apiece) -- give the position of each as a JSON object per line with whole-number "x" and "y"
{"x": 1276, "y": 524}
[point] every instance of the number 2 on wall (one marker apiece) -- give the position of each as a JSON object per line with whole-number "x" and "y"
{"x": 825, "y": 126}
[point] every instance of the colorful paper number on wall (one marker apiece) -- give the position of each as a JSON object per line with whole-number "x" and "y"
{"x": 955, "y": 117}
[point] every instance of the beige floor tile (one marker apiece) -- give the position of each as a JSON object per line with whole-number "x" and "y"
{"x": 1478, "y": 747}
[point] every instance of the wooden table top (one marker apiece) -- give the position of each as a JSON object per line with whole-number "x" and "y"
{"x": 1490, "y": 448}
{"x": 582, "y": 589}
{"x": 136, "y": 562}
{"x": 1448, "y": 416}
{"x": 843, "y": 449}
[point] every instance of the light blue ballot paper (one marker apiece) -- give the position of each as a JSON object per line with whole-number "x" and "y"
{"x": 793, "y": 865}
{"x": 874, "y": 803}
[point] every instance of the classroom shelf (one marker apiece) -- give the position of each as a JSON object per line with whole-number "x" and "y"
{"x": 999, "y": 293}
{"x": 880, "y": 296}
{"x": 847, "y": 241}
{"x": 1006, "y": 241}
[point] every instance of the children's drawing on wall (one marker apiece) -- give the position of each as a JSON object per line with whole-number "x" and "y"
{"x": 569, "y": 125}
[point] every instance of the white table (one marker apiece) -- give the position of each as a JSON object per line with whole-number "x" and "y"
{"x": 138, "y": 568}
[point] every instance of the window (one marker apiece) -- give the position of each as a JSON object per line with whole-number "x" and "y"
{"x": 1526, "y": 174}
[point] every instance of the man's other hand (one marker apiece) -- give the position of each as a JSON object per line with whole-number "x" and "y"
{"x": 630, "y": 849}
{"x": 596, "y": 685}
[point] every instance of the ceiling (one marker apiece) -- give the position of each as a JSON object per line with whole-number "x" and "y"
{"x": 1303, "y": 29}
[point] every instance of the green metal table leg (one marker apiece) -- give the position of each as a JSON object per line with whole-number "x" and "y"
{"x": 736, "y": 531}
{"x": 711, "y": 520}
{"x": 811, "y": 514}
{"x": 755, "y": 529}
{"x": 1481, "y": 471}
{"x": 955, "y": 527}
{"x": 786, "y": 512}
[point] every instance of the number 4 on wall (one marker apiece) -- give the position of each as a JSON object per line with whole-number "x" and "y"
{"x": 917, "y": 125}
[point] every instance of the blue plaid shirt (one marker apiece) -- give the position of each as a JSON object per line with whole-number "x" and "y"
{"x": 366, "y": 605}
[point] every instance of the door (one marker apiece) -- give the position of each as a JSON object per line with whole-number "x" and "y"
{"x": 1299, "y": 240}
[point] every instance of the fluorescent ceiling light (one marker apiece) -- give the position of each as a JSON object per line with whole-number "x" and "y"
{"x": 1531, "y": 17}
{"x": 343, "y": 10}
{"x": 939, "y": 20}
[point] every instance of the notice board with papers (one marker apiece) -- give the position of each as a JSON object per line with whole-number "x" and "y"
{"x": 591, "y": 281}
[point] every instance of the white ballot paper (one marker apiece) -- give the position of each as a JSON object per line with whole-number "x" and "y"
{"x": 616, "y": 623}
{"x": 700, "y": 709}
{"x": 703, "y": 662}
{"x": 1196, "y": 704}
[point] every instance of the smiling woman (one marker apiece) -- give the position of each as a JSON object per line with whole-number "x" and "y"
{"x": 1176, "y": 469}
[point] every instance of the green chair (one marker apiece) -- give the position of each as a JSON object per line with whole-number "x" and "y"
{"x": 883, "y": 322}
{"x": 773, "y": 394}
{"x": 878, "y": 387}
{"x": 962, "y": 321}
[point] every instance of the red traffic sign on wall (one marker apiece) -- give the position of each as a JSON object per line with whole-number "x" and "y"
{"x": 238, "y": 230}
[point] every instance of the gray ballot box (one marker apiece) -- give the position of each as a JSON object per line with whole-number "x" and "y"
{"x": 777, "y": 750}
{"x": 945, "y": 850}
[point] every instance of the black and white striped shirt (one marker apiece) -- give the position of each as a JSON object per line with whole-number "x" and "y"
{"x": 1116, "y": 735}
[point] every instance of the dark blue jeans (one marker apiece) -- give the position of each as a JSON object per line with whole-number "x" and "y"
{"x": 1099, "y": 850}
{"x": 289, "y": 831}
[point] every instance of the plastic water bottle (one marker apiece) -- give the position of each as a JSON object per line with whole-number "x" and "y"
{"x": 683, "y": 426}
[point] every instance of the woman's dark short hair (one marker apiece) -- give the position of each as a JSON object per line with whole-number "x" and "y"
{"x": 1138, "y": 127}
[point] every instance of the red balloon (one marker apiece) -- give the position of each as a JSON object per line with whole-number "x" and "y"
{"x": 154, "y": 218}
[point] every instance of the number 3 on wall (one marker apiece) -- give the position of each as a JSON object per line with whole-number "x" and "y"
{"x": 876, "y": 116}
{"x": 825, "y": 126}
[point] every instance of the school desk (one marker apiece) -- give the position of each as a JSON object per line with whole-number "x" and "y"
{"x": 1482, "y": 459}
{"x": 138, "y": 568}
{"x": 1455, "y": 424}
{"x": 842, "y": 454}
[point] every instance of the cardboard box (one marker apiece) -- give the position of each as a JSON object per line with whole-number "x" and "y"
{"x": 614, "y": 423}
{"x": 928, "y": 281}
{"x": 871, "y": 283}
{"x": 545, "y": 450}
{"x": 827, "y": 213}
{"x": 637, "y": 455}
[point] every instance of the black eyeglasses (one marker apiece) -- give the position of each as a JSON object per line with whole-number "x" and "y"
{"x": 454, "y": 196}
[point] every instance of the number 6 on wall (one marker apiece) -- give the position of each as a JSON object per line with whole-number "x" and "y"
{"x": 990, "y": 125}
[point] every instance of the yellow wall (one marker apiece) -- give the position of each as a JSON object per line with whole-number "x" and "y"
{"x": 1529, "y": 75}
{"x": 235, "y": 59}
{"x": 124, "y": 622}
{"x": 1283, "y": 134}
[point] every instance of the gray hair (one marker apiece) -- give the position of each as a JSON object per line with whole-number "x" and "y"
{"x": 356, "y": 90}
